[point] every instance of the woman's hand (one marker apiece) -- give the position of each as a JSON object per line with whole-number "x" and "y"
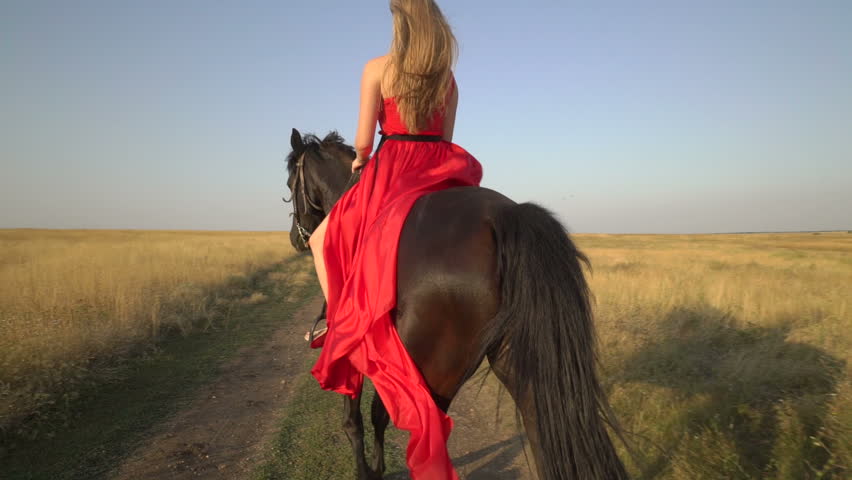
{"x": 358, "y": 163}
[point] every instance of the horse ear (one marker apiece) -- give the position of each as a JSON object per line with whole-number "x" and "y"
{"x": 296, "y": 140}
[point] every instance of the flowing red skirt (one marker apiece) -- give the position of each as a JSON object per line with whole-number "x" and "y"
{"x": 360, "y": 250}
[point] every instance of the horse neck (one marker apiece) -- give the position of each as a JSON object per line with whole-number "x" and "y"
{"x": 333, "y": 177}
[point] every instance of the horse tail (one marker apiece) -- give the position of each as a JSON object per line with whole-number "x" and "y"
{"x": 544, "y": 337}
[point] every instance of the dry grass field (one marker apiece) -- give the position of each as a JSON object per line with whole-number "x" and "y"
{"x": 725, "y": 356}
{"x": 728, "y": 356}
{"x": 72, "y": 301}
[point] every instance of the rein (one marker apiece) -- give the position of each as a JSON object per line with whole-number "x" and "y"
{"x": 304, "y": 234}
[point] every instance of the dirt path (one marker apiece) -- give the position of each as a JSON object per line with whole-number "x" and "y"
{"x": 486, "y": 442}
{"x": 225, "y": 431}
{"x": 222, "y": 433}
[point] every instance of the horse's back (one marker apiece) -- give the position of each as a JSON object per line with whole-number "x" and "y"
{"x": 447, "y": 282}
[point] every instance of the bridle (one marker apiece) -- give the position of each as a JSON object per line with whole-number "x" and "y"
{"x": 300, "y": 189}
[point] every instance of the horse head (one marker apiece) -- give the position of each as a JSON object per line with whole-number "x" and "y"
{"x": 317, "y": 174}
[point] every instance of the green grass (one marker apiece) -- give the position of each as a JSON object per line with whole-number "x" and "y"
{"x": 110, "y": 419}
{"x": 311, "y": 443}
{"x": 750, "y": 400}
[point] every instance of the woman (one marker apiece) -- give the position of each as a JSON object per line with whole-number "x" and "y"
{"x": 412, "y": 94}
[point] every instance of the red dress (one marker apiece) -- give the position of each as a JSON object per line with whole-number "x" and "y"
{"x": 360, "y": 250}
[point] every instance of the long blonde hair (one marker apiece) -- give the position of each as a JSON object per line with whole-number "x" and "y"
{"x": 422, "y": 56}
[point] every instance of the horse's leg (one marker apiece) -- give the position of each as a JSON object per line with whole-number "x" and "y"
{"x": 524, "y": 403}
{"x": 380, "y": 419}
{"x": 353, "y": 425}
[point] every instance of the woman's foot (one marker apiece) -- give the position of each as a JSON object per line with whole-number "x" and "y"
{"x": 317, "y": 334}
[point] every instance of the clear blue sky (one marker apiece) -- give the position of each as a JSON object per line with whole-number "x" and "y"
{"x": 660, "y": 116}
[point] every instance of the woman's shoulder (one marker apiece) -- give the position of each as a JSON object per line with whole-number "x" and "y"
{"x": 377, "y": 65}
{"x": 374, "y": 69}
{"x": 371, "y": 77}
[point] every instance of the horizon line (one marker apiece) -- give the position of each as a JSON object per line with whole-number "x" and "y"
{"x": 133, "y": 229}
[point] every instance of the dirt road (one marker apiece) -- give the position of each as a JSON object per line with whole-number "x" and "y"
{"x": 226, "y": 431}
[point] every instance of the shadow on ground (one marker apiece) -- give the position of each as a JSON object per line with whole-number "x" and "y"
{"x": 761, "y": 396}
{"x": 501, "y": 464}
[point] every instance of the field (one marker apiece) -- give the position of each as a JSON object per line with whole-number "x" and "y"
{"x": 72, "y": 302}
{"x": 725, "y": 356}
{"x": 728, "y": 355}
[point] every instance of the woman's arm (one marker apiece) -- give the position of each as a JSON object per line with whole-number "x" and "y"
{"x": 371, "y": 97}
{"x": 450, "y": 113}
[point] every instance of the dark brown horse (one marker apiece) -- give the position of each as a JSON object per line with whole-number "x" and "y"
{"x": 481, "y": 276}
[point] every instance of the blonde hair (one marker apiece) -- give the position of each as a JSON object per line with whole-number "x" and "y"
{"x": 421, "y": 59}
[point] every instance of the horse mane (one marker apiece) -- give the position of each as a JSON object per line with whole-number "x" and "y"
{"x": 313, "y": 144}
